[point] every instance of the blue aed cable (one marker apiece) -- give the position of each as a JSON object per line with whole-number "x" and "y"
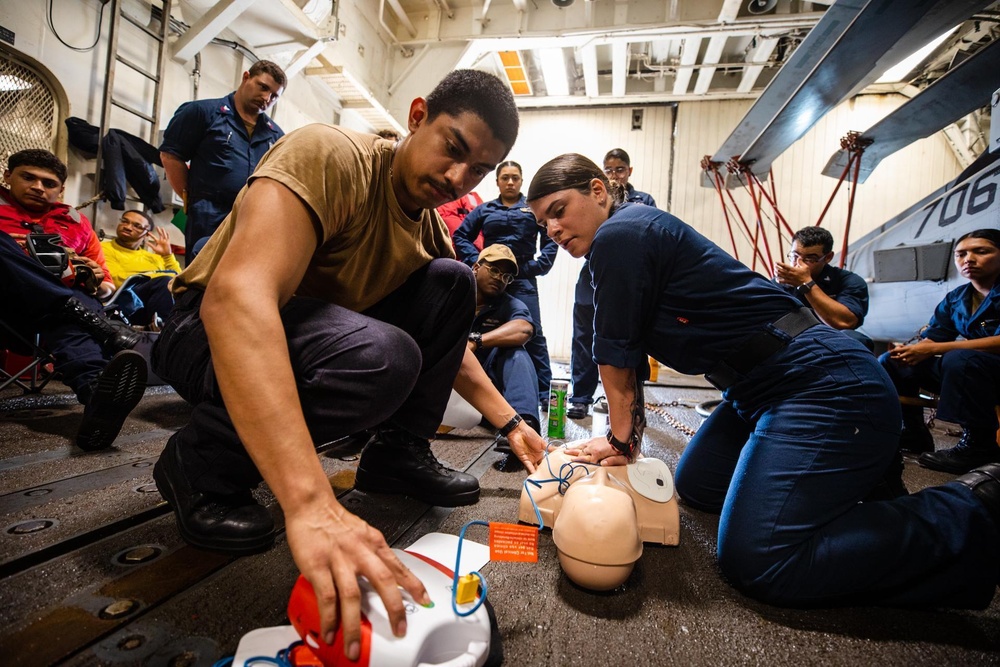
{"x": 563, "y": 478}
{"x": 454, "y": 581}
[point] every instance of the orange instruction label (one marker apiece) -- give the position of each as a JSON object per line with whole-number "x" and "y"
{"x": 512, "y": 542}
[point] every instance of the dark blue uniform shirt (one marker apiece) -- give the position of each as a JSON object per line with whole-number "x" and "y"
{"x": 514, "y": 227}
{"x": 845, "y": 287}
{"x": 584, "y": 293}
{"x": 953, "y": 317}
{"x": 663, "y": 289}
{"x": 637, "y": 197}
{"x": 498, "y": 312}
{"x": 211, "y": 136}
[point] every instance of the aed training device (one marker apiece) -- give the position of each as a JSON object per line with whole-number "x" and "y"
{"x": 601, "y": 515}
{"x": 435, "y": 635}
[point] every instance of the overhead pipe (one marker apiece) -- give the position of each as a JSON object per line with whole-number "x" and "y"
{"x": 445, "y": 7}
{"x": 392, "y": 35}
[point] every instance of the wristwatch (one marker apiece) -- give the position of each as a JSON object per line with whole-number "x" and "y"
{"x": 510, "y": 426}
{"x": 627, "y": 449}
{"x": 802, "y": 290}
{"x": 477, "y": 338}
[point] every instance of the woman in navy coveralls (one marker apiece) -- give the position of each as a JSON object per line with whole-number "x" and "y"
{"x": 809, "y": 424}
{"x": 507, "y": 220}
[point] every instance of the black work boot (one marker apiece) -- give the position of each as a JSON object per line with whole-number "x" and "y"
{"x": 916, "y": 438}
{"x": 110, "y": 399}
{"x": 577, "y": 410}
{"x": 112, "y": 337}
{"x": 395, "y": 461}
{"x": 985, "y": 484}
{"x": 891, "y": 485}
{"x": 976, "y": 447}
{"x": 233, "y": 524}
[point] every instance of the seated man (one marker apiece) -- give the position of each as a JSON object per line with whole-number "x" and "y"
{"x": 126, "y": 257}
{"x": 837, "y": 296}
{"x": 501, "y": 328}
{"x": 70, "y": 321}
{"x": 964, "y": 373}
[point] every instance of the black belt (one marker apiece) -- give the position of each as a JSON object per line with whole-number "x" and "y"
{"x": 759, "y": 347}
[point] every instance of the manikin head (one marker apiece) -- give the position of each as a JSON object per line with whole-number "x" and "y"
{"x": 456, "y": 137}
{"x": 813, "y": 247}
{"x": 36, "y": 179}
{"x": 597, "y": 532}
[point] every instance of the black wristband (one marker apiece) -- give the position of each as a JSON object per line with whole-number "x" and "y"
{"x": 510, "y": 426}
{"x": 627, "y": 449}
{"x": 477, "y": 338}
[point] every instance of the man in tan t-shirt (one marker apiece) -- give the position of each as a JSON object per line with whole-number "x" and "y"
{"x": 329, "y": 302}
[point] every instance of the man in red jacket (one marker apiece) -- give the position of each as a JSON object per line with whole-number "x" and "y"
{"x": 92, "y": 354}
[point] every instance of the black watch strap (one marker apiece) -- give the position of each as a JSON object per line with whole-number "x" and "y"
{"x": 628, "y": 449}
{"x": 477, "y": 338}
{"x": 510, "y": 426}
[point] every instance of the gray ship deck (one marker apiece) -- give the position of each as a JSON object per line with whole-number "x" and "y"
{"x": 94, "y": 572}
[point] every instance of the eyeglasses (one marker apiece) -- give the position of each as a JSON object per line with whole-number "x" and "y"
{"x": 808, "y": 259}
{"x": 502, "y": 276}
{"x": 138, "y": 224}
{"x": 615, "y": 171}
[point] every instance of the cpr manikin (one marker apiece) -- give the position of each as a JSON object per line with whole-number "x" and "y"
{"x": 600, "y": 516}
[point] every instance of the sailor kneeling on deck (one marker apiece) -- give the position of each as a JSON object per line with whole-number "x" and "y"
{"x": 327, "y": 303}
{"x": 809, "y": 427}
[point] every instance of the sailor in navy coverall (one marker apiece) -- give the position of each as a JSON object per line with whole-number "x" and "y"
{"x": 807, "y": 429}
{"x": 213, "y": 137}
{"x": 838, "y": 297}
{"x": 508, "y": 221}
{"x": 964, "y": 373}
{"x": 501, "y": 328}
{"x": 583, "y": 370}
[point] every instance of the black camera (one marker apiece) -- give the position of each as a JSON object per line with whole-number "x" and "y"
{"x": 47, "y": 249}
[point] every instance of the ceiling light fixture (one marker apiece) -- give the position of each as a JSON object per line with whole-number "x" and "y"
{"x": 554, "y": 71}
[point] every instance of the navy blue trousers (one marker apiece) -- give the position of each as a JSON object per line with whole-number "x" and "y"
{"x": 967, "y": 383}
{"x": 203, "y": 218}
{"x": 583, "y": 370}
{"x": 154, "y": 298}
{"x": 526, "y": 289}
{"x": 395, "y": 362}
{"x": 29, "y": 295}
{"x": 786, "y": 460}
{"x": 513, "y": 375}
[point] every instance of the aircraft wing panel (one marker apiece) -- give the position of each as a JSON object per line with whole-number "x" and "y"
{"x": 882, "y": 33}
{"x": 821, "y": 38}
{"x": 956, "y": 94}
